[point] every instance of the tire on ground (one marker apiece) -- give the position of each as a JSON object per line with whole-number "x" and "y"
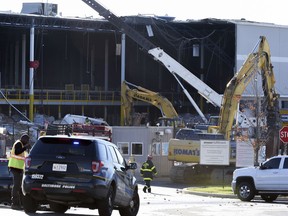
{"x": 58, "y": 208}
{"x": 133, "y": 207}
{"x": 245, "y": 191}
{"x": 29, "y": 204}
{"x": 107, "y": 205}
{"x": 269, "y": 197}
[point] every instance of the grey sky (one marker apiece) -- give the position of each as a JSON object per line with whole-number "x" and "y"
{"x": 255, "y": 10}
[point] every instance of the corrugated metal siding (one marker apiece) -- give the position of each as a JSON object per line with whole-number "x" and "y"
{"x": 248, "y": 34}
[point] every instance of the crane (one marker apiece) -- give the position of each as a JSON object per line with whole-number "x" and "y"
{"x": 173, "y": 66}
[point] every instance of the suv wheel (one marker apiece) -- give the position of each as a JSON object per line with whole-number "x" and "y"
{"x": 133, "y": 207}
{"x": 269, "y": 197}
{"x": 29, "y": 204}
{"x": 106, "y": 207}
{"x": 245, "y": 191}
{"x": 58, "y": 208}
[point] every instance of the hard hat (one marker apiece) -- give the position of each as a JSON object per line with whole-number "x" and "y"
{"x": 149, "y": 157}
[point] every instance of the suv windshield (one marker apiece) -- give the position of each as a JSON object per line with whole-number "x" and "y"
{"x": 63, "y": 146}
{"x": 185, "y": 134}
{"x": 195, "y": 134}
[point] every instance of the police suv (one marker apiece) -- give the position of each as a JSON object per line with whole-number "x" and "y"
{"x": 65, "y": 171}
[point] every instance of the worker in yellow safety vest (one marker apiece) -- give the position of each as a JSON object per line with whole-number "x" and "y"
{"x": 16, "y": 166}
{"x": 148, "y": 171}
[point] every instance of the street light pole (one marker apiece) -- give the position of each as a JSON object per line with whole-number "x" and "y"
{"x": 31, "y": 74}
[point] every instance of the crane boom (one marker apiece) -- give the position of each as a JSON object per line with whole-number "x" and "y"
{"x": 160, "y": 55}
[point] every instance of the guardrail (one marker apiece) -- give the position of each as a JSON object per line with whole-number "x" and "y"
{"x": 48, "y": 96}
{"x": 22, "y": 96}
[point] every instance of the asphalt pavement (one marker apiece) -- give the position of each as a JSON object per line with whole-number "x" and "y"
{"x": 166, "y": 182}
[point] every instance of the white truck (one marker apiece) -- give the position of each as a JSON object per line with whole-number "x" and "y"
{"x": 269, "y": 180}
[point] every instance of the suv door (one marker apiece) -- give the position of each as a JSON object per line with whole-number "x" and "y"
{"x": 283, "y": 175}
{"x": 268, "y": 174}
{"x": 120, "y": 175}
{"x": 129, "y": 176}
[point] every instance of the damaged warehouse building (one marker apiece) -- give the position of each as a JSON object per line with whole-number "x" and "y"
{"x": 77, "y": 65}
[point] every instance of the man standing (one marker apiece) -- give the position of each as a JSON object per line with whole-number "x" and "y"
{"x": 148, "y": 170}
{"x": 16, "y": 166}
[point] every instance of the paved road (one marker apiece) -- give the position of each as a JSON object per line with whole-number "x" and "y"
{"x": 167, "y": 199}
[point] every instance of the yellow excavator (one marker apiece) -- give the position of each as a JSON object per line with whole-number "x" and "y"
{"x": 187, "y": 150}
{"x": 256, "y": 62}
{"x": 128, "y": 95}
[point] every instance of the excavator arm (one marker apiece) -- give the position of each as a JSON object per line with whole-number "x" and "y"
{"x": 143, "y": 94}
{"x": 258, "y": 62}
{"x": 127, "y": 104}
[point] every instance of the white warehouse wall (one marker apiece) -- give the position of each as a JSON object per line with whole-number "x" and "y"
{"x": 247, "y": 36}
